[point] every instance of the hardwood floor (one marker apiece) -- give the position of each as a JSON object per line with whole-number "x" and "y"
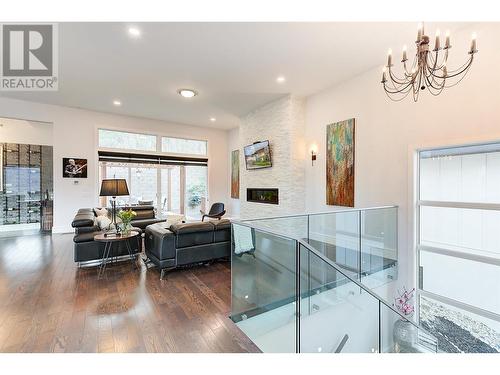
{"x": 48, "y": 304}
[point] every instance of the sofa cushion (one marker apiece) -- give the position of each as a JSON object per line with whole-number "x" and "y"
{"x": 183, "y": 228}
{"x": 83, "y": 220}
{"x": 100, "y": 211}
{"x": 143, "y": 223}
{"x": 103, "y": 222}
{"x": 94, "y": 228}
{"x": 85, "y": 237}
{"x": 193, "y": 234}
{"x": 222, "y": 230}
{"x": 221, "y": 224}
{"x": 142, "y": 212}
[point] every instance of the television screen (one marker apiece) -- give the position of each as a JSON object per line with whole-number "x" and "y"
{"x": 258, "y": 155}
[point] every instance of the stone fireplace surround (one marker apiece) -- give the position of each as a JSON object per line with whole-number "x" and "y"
{"x": 282, "y": 122}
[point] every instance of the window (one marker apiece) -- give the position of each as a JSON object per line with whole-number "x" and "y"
{"x": 172, "y": 188}
{"x": 126, "y": 140}
{"x": 196, "y": 189}
{"x": 458, "y": 246}
{"x": 183, "y": 146}
{"x": 174, "y": 183}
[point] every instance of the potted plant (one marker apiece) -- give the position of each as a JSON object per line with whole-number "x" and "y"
{"x": 126, "y": 217}
{"x": 405, "y": 333}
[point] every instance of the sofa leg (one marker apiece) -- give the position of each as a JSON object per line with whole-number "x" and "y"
{"x": 163, "y": 272}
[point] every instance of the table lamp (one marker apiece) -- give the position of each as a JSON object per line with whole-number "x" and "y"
{"x": 113, "y": 188}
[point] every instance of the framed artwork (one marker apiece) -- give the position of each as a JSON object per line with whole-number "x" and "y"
{"x": 74, "y": 168}
{"x": 235, "y": 174}
{"x": 340, "y": 163}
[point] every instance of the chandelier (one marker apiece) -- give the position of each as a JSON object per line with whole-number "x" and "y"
{"x": 428, "y": 70}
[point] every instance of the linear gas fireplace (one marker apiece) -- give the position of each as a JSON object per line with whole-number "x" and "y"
{"x": 263, "y": 195}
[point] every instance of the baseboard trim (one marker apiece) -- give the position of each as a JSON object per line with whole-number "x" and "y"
{"x": 62, "y": 230}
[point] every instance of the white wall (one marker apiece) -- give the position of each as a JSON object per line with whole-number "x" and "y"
{"x": 388, "y": 133}
{"x": 233, "y": 141}
{"x": 26, "y": 132}
{"x": 75, "y": 135}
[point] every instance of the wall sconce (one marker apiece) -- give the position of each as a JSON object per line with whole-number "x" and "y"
{"x": 314, "y": 152}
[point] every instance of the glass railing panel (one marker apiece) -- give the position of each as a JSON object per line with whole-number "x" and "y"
{"x": 290, "y": 226}
{"x": 263, "y": 287}
{"x": 379, "y": 249}
{"x": 336, "y": 315}
{"x": 336, "y": 235}
{"x": 400, "y": 335}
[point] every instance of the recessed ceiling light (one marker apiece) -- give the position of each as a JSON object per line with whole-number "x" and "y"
{"x": 187, "y": 93}
{"x": 213, "y": 119}
{"x": 117, "y": 103}
{"x": 280, "y": 79}
{"x": 134, "y": 31}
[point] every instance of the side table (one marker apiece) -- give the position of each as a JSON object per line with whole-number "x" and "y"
{"x": 109, "y": 240}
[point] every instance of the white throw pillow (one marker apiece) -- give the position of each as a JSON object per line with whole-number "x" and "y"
{"x": 103, "y": 222}
{"x": 101, "y": 212}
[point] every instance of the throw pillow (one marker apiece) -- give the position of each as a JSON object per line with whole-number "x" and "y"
{"x": 103, "y": 222}
{"x": 101, "y": 212}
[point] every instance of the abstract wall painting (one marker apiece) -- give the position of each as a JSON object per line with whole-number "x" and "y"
{"x": 340, "y": 163}
{"x": 235, "y": 174}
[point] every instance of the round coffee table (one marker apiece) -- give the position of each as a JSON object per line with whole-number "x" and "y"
{"x": 109, "y": 240}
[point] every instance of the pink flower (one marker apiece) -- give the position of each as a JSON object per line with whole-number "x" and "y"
{"x": 402, "y": 302}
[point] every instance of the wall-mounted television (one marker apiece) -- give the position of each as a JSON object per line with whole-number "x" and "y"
{"x": 258, "y": 155}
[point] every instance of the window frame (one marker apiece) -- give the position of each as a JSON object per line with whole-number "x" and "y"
{"x": 443, "y": 251}
{"x": 99, "y": 147}
{"x": 160, "y": 146}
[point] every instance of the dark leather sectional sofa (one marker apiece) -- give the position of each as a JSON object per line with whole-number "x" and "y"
{"x": 86, "y": 249}
{"x": 176, "y": 245}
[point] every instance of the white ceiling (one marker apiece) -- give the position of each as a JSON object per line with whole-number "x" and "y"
{"x": 233, "y": 66}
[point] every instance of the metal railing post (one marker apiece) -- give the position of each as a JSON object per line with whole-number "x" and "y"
{"x": 360, "y": 244}
{"x": 297, "y": 296}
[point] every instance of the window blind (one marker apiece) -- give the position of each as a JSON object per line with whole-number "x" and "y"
{"x": 123, "y": 157}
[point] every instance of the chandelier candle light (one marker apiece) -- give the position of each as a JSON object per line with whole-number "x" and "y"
{"x": 428, "y": 70}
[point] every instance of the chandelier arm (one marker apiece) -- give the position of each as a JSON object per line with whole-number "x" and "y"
{"x": 437, "y": 91}
{"x": 399, "y": 99}
{"x": 392, "y": 85}
{"x": 413, "y": 65}
{"x": 457, "y": 72}
{"x": 462, "y": 69}
{"x": 432, "y": 81}
{"x": 415, "y": 90}
{"x": 434, "y": 61}
{"x": 460, "y": 80}
{"x": 399, "y": 81}
{"x": 396, "y": 90}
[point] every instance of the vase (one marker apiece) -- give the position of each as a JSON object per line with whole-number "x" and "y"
{"x": 405, "y": 336}
{"x": 125, "y": 228}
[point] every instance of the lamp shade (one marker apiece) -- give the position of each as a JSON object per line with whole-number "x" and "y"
{"x": 114, "y": 187}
